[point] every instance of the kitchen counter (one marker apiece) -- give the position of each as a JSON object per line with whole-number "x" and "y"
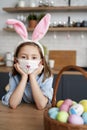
{"x": 69, "y": 72}
{"x": 54, "y": 71}
{"x": 5, "y": 69}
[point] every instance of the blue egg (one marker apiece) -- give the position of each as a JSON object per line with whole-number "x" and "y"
{"x": 54, "y": 114}
{"x": 84, "y": 116}
{"x": 53, "y": 109}
{"x": 72, "y": 111}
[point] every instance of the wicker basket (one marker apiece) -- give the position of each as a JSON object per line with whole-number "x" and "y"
{"x": 51, "y": 124}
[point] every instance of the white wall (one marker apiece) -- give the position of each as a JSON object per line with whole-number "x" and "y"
{"x": 53, "y": 40}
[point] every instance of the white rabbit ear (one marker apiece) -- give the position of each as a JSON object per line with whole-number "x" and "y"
{"x": 19, "y": 28}
{"x": 42, "y": 27}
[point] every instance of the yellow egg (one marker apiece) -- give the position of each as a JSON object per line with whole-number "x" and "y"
{"x": 59, "y": 103}
{"x": 74, "y": 102}
{"x": 84, "y": 104}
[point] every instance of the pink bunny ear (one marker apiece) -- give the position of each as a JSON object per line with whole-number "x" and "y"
{"x": 41, "y": 29}
{"x": 19, "y": 28}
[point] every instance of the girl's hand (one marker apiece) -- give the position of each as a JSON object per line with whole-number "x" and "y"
{"x": 19, "y": 70}
{"x": 37, "y": 71}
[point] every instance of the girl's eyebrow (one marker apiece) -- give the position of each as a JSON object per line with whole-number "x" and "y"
{"x": 23, "y": 54}
{"x": 34, "y": 55}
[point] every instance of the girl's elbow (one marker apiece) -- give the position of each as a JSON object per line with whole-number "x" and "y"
{"x": 41, "y": 106}
{"x": 12, "y": 105}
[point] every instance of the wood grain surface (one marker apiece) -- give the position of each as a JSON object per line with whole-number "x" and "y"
{"x": 62, "y": 58}
{"x": 25, "y": 117}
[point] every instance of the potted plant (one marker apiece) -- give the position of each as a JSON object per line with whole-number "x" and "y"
{"x": 32, "y": 19}
{"x": 40, "y": 16}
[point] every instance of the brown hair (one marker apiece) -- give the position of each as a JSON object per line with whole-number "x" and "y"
{"x": 46, "y": 70}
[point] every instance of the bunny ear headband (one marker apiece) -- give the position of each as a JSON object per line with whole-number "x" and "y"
{"x": 38, "y": 33}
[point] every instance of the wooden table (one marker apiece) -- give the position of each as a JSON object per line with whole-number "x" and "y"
{"x": 25, "y": 117}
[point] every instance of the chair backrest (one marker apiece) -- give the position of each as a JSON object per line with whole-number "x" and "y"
{"x": 70, "y": 86}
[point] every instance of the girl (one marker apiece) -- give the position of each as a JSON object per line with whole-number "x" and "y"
{"x": 31, "y": 78}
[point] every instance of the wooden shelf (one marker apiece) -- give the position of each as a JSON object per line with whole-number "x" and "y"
{"x": 61, "y": 29}
{"x": 51, "y": 29}
{"x": 56, "y": 8}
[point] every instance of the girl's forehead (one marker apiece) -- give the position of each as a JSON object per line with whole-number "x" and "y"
{"x": 29, "y": 49}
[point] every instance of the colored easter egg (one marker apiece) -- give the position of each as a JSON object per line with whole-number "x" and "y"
{"x": 64, "y": 107}
{"x": 74, "y": 102}
{"x": 69, "y": 102}
{"x": 84, "y": 104}
{"x": 53, "y": 109}
{"x": 84, "y": 116}
{"x": 75, "y": 119}
{"x": 59, "y": 103}
{"x": 54, "y": 114}
{"x": 62, "y": 116}
{"x": 76, "y": 109}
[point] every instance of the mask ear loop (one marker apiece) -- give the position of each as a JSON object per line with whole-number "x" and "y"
{"x": 15, "y": 60}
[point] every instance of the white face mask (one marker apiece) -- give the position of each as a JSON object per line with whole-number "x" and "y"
{"x": 28, "y": 66}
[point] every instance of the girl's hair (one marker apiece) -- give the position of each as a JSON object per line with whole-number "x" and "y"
{"x": 46, "y": 70}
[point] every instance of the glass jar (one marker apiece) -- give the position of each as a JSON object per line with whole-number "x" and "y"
{"x": 9, "y": 59}
{"x": 46, "y": 2}
{"x": 21, "y": 3}
{"x": 33, "y": 3}
{"x": 40, "y": 3}
{"x": 51, "y": 3}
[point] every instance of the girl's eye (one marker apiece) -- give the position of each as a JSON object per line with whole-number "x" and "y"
{"x": 34, "y": 57}
{"x": 24, "y": 57}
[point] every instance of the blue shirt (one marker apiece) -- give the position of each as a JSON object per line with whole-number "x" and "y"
{"x": 46, "y": 88}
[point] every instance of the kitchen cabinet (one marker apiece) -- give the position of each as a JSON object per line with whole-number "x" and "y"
{"x": 4, "y": 79}
{"x": 49, "y": 9}
{"x": 72, "y": 86}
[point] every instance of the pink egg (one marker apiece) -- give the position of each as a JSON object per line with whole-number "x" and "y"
{"x": 64, "y": 107}
{"x": 69, "y": 102}
{"x": 75, "y": 119}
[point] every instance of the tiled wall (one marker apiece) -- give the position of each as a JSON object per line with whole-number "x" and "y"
{"x": 53, "y": 40}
